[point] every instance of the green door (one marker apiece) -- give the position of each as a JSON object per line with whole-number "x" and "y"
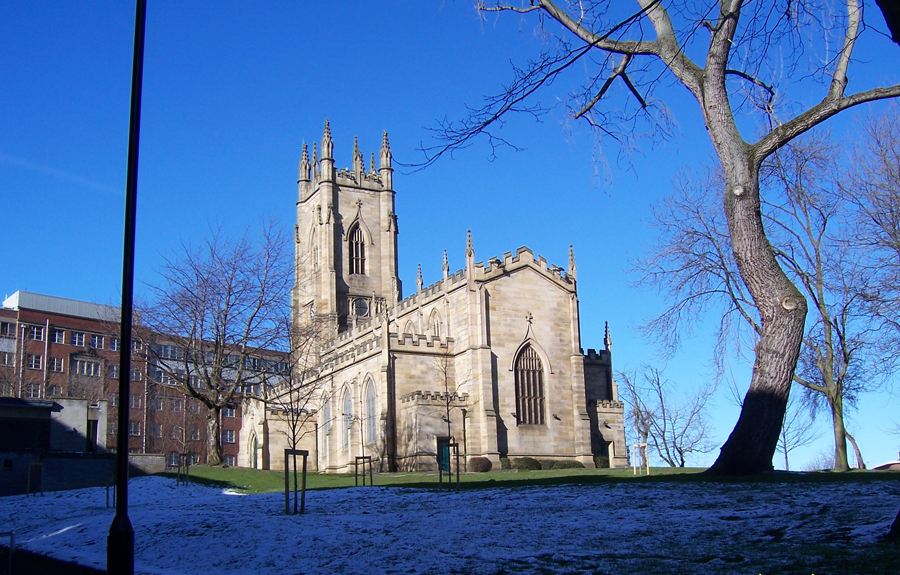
{"x": 444, "y": 454}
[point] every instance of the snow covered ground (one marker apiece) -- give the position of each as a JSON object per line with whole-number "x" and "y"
{"x": 666, "y": 527}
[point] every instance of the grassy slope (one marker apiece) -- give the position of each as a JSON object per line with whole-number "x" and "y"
{"x": 257, "y": 481}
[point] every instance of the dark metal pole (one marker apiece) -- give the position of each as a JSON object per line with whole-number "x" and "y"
{"x": 120, "y": 542}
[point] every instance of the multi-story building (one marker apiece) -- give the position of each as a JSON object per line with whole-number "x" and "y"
{"x": 53, "y": 348}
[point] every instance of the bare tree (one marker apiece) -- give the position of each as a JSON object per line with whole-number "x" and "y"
{"x": 292, "y": 384}
{"x": 796, "y": 431}
{"x": 217, "y": 309}
{"x": 840, "y": 347}
{"x": 753, "y": 57}
{"x": 675, "y": 427}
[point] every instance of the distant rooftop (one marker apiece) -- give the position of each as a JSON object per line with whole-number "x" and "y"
{"x": 63, "y": 306}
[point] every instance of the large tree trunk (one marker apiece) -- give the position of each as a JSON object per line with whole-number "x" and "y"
{"x": 840, "y": 439}
{"x": 782, "y": 308}
{"x": 213, "y": 437}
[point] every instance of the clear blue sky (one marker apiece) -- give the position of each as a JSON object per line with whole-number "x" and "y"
{"x": 233, "y": 89}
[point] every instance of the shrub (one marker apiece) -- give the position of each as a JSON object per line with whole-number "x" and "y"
{"x": 526, "y": 464}
{"x": 565, "y": 464}
{"x": 504, "y": 463}
{"x": 480, "y": 464}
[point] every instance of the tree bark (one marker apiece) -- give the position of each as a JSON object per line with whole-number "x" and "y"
{"x": 213, "y": 437}
{"x": 840, "y": 439}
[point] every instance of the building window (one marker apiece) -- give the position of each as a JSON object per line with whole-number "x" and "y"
{"x": 529, "y": 388}
{"x": 54, "y": 391}
{"x": 97, "y": 341}
{"x": 154, "y": 403}
{"x": 77, "y": 339}
{"x": 84, "y": 367}
{"x": 228, "y": 412}
{"x": 112, "y": 372}
{"x": 348, "y": 418}
{"x": 227, "y": 436}
{"x": 135, "y": 401}
{"x": 357, "y": 251}
{"x": 7, "y": 358}
{"x": 173, "y": 459}
{"x": 371, "y": 419}
{"x": 135, "y": 374}
{"x": 57, "y": 335}
{"x": 55, "y": 364}
{"x": 33, "y": 361}
{"x": 228, "y": 460}
{"x": 175, "y": 405}
{"x": 33, "y": 391}
{"x": 193, "y": 406}
{"x": 7, "y": 329}
{"x": 360, "y": 307}
{"x": 154, "y": 429}
{"x": 114, "y": 344}
{"x": 134, "y": 428}
{"x": 114, "y": 399}
{"x": 174, "y": 432}
{"x": 136, "y": 345}
{"x": 36, "y": 333}
{"x": 326, "y": 425}
{"x": 195, "y": 434}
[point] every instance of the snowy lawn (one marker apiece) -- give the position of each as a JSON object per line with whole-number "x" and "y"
{"x": 673, "y": 526}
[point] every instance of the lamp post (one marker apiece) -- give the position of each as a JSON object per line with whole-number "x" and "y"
{"x": 120, "y": 542}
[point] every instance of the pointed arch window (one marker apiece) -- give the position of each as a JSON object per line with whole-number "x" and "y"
{"x": 370, "y": 412}
{"x": 357, "y": 250}
{"x": 326, "y": 425}
{"x": 348, "y": 418}
{"x": 529, "y": 388}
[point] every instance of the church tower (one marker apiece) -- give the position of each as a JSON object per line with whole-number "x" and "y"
{"x": 345, "y": 238}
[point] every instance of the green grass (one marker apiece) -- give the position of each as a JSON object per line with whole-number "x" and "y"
{"x": 258, "y": 481}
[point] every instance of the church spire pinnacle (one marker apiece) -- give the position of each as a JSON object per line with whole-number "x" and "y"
{"x": 573, "y": 269}
{"x": 419, "y": 278}
{"x": 315, "y": 162}
{"x": 607, "y": 341}
{"x": 327, "y": 144}
{"x": 372, "y": 164}
{"x": 385, "y": 155}
{"x": 470, "y": 251}
{"x": 446, "y": 266}
{"x": 304, "y": 164}
{"x": 358, "y": 162}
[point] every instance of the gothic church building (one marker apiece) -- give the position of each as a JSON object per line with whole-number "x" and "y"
{"x": 486, "y": 362}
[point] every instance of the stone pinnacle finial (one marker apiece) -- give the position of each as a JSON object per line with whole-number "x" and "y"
{"x": 304, "y": 164}
{"x": 372, "y": 164}
{"x": 470, "y": 251}
{"x": 385, "y": 155}
{"x": 607, "y": 341}
{"x": 327, "y": 144}
{"x": 446, "y": 266}
{"x": 358, "y": 162}
{"x": 315, "y": 161}
{"x": 573, "y": 270}
{"x": 419, "y": 278}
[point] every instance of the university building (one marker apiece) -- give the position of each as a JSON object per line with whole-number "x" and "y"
{"x": 486, "y": 362}
{"x": 55, "y": 349}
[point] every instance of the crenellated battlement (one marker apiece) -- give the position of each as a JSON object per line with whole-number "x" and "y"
{"x": 435, "y": 397}
{"x": 398, "y": 340}
{"x": 594, "y": 357}
{"x": 522, "y": 258}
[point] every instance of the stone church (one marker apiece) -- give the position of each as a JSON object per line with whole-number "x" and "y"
{"x": 485, "y": 362}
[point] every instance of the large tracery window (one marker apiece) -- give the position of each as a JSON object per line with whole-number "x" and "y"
{"x": 529, "y": 388}
{"x": 370, "y": 413}
{"x": 357, "y": 251}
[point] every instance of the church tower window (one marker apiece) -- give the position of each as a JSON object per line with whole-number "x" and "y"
{"x": 529, "y": 388}
{"x": 357, "y": 251}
